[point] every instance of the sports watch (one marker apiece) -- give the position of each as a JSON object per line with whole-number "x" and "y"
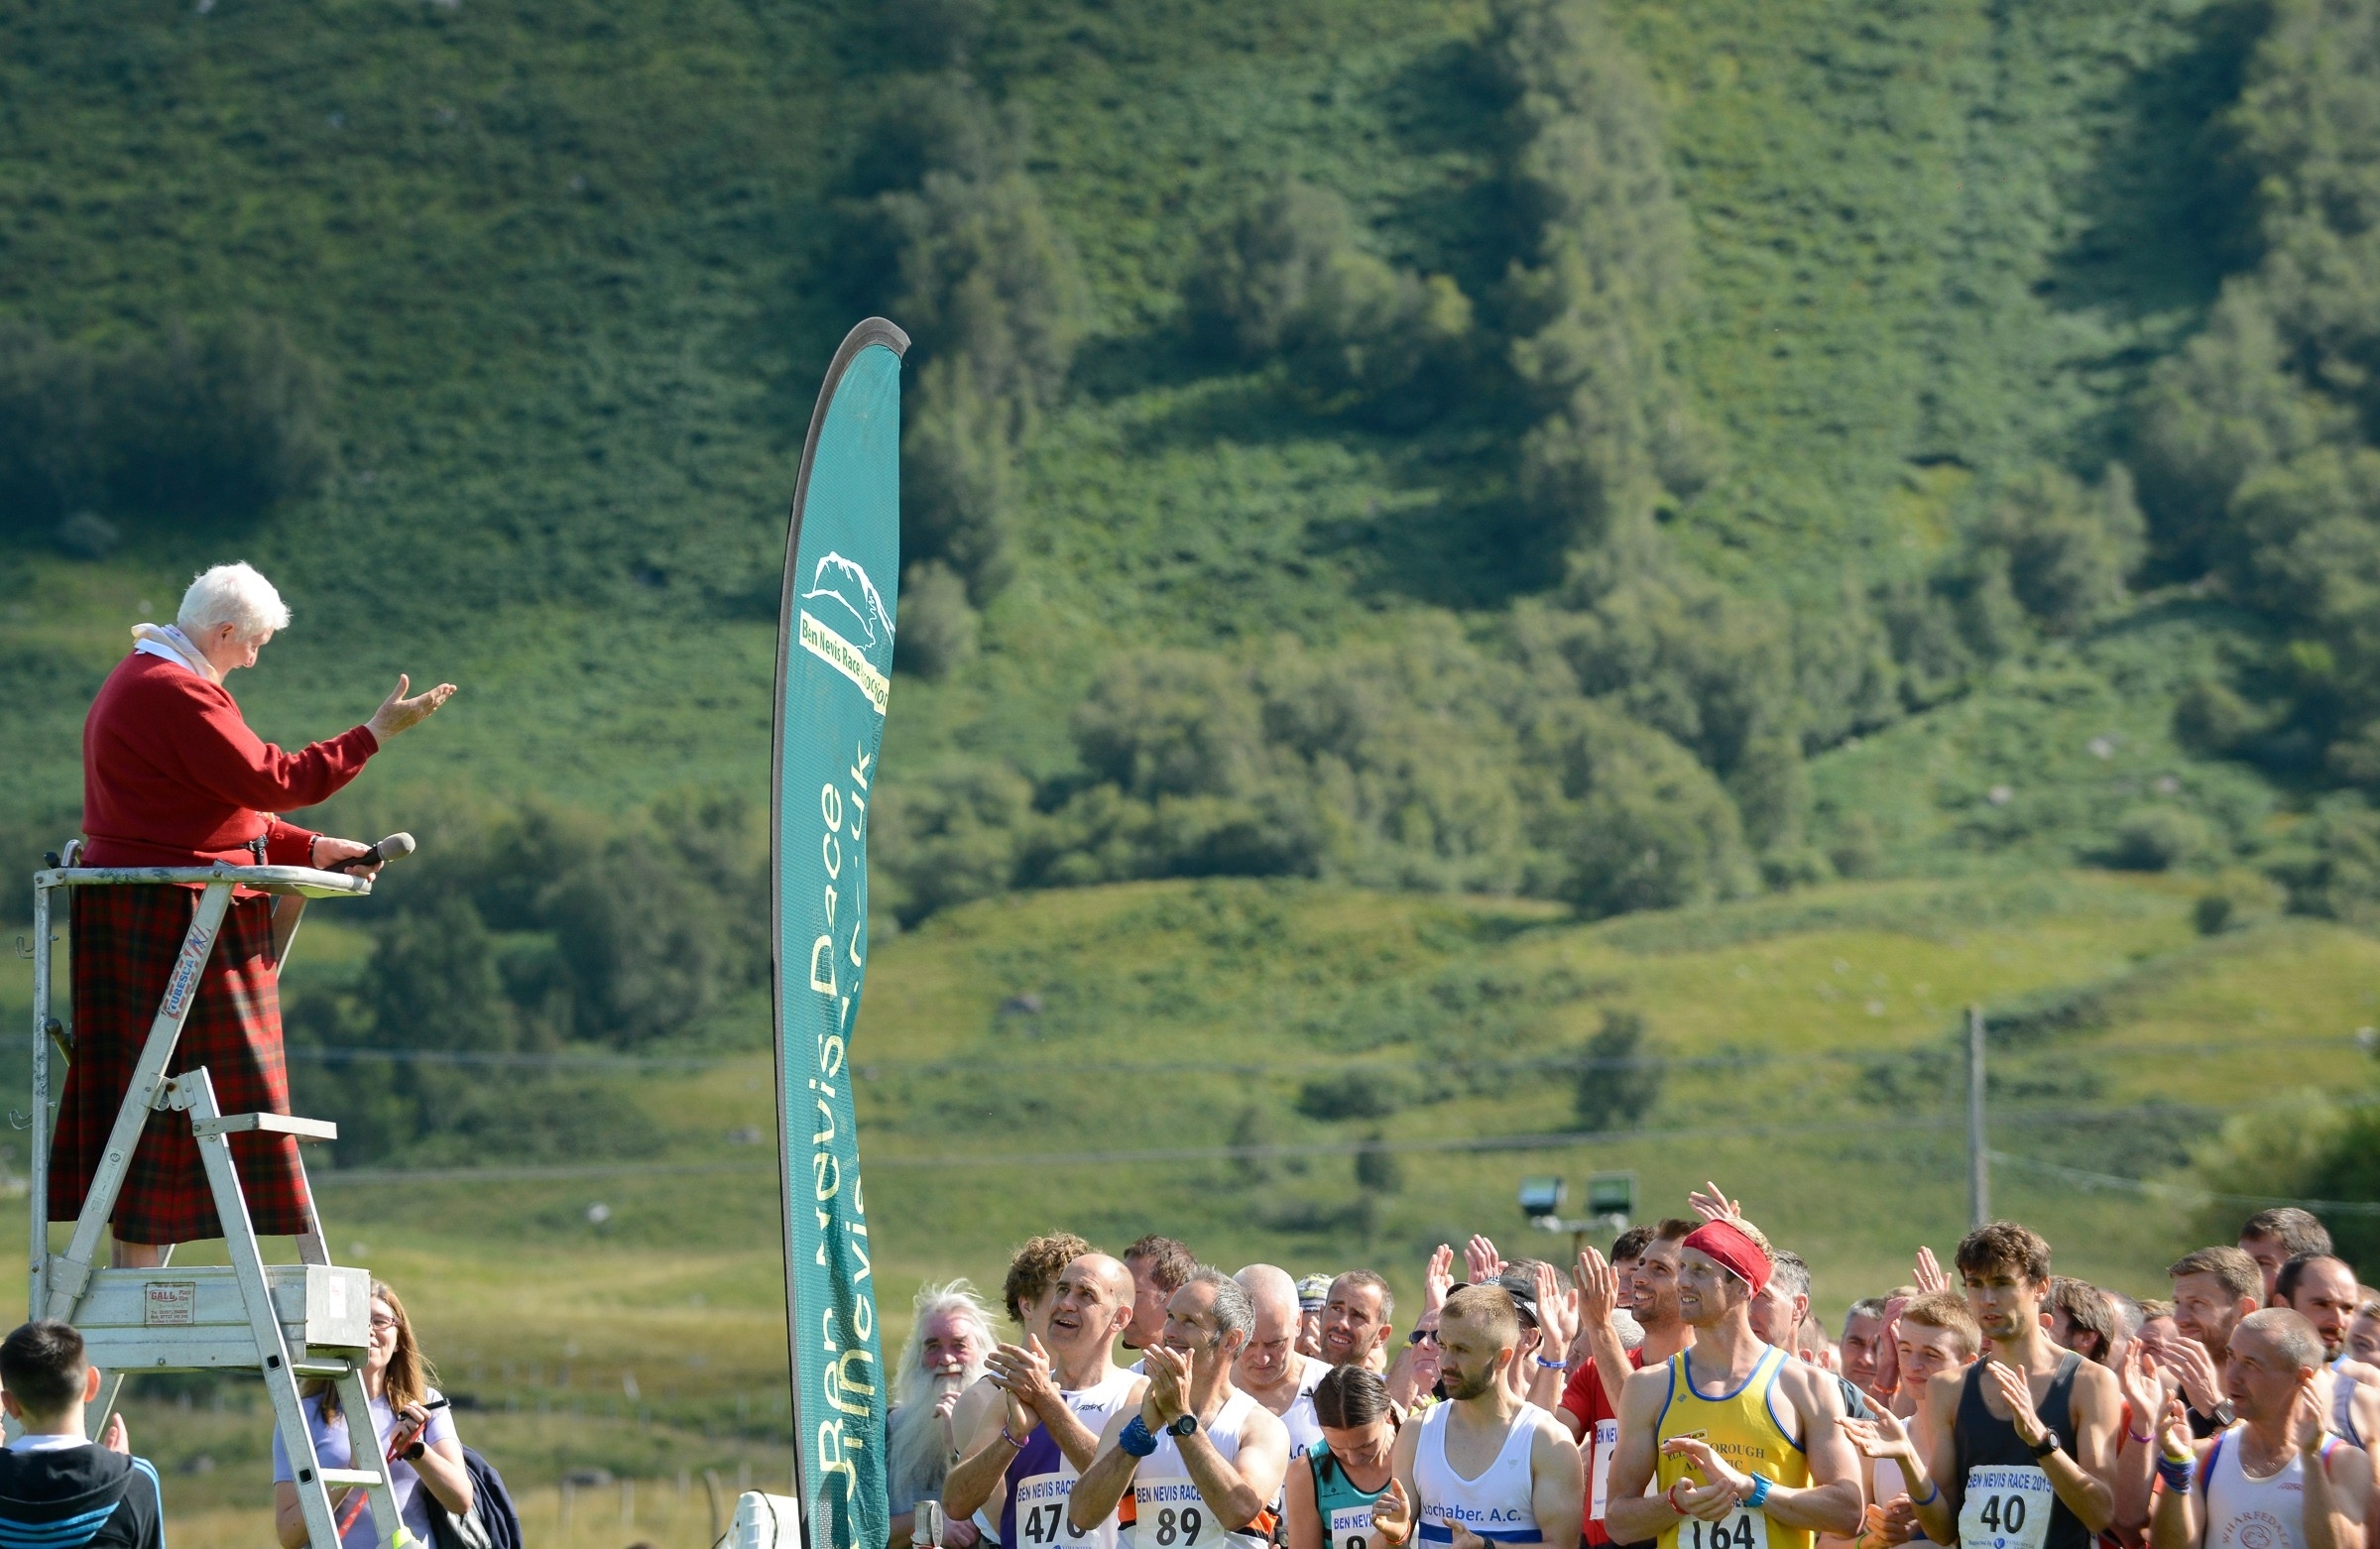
{"x": 1181, "y": 1425}
{"x": 2048, "y": 1444}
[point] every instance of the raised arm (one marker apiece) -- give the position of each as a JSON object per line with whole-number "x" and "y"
{"x": 2176, "y": 1523}
{"x": 984, "y": 1452}
{"x": 2082, "y": 1470}
{"x": 1095, "y": 1495}
{"x": 1629, "y": 1515}
{"x": 1239, "y": 1489}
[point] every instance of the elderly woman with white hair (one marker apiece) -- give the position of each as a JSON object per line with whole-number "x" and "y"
{"x": 172, "y": 775}
{"x": 948, "y": 1342}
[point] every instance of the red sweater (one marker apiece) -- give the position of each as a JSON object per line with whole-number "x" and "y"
{"x": 172, "y": 775}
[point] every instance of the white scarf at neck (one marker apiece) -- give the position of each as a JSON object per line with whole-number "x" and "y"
{"x": 168, "y": 641}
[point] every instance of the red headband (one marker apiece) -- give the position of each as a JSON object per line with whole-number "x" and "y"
{"x": 1727, "y": 1243}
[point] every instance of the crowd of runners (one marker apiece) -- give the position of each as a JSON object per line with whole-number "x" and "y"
{"x": 1675, "y": 1391}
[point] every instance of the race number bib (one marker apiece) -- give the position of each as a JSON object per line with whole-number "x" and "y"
{"x": 1738, "y": 1529}
{"x": 1041, "y": 1517}
{"x": 2007, "y": 1506}
{"x": 1168, "y": 1513}
{"x": 1598, "y": 1481}
{"x": 1351, "y": 1527}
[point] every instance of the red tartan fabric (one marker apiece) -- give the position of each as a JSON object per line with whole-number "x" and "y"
{"x": 124, "y": 945}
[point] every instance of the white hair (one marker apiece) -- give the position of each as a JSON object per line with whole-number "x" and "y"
{"x": 916, "y": 1451}
{"x": 233, "y": 594}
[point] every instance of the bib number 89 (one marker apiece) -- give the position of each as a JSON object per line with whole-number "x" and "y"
{"x": 1179, "y": 1527}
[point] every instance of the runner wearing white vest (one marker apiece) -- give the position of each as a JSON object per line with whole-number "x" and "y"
{"x": 2275, "y": 1479}
{"x": 1486, "y": 1466}
{"x": 1056, "y": 1404}
{"x": 1201, "y": 1462}
{"x": 1269, "y": 1369}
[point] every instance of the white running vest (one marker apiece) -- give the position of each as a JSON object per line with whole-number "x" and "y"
{"x": 2255, "y": 1513}
{"x": 1299, "y": 1420}
{"x": 1168, "y": 1510}
{"x": 1042, "y": 1480}
{"x": 1499, "y": 1505}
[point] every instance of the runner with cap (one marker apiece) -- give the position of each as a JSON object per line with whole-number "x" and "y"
{"x": 2023, "y": 1443}
{"x": 1744, "y": 1441}
{"x": 1313, "y": 1294}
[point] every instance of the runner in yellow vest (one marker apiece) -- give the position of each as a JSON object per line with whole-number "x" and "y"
{"x": 1741, "y": 1443}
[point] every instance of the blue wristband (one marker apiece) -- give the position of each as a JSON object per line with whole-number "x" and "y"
{"x": 2175, "y": 1474}
{"x": 1135, "y": 1438}
{"x": 1760, "y": 1484}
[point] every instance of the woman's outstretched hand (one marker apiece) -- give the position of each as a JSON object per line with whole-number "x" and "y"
{"x": 397, "y": 713}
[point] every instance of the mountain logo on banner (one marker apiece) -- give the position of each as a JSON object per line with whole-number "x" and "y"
{"x": 848, "y": 605}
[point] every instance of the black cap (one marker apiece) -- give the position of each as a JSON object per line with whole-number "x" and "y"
{"x": 1522, "y": 1288}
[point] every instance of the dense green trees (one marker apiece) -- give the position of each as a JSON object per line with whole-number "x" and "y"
{"x": 1289, "y": 278}
{"x": 2256, "y": 439}
{"x": 215, "y": 422}
{"x": 1600, "y": 281}
{"x": 991, "y": 295}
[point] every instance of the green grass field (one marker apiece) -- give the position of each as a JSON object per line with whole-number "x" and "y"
{"x": 653, "y": 1342}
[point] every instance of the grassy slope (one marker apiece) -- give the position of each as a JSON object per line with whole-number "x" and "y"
{"x": 1841, "y": 1129}
{"x": 564, "y": 267}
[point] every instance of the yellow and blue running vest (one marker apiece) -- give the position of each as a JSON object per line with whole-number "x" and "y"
{"x": 1747, "y": 1428}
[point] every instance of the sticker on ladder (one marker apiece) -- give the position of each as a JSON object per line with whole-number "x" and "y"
{"x": 169, "y": 1304}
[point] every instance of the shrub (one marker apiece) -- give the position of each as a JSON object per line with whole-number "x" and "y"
{"x": 1636, "y": 823}
{"x": 1356, "y": 1093}
{"x": 938, "y": 629}
{"x": 1288, "y": 276}
{"x": 2157, "y": 839}
{"x": 222, "y": 421}
{"x": 2067, "y": 549}
{"x": 1617, "y": 1086}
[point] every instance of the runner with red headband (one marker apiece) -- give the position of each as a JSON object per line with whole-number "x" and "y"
{"x": 1746, "y": 1441}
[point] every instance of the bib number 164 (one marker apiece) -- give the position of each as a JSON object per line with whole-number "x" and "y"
{"x": 1735, "y": 1531}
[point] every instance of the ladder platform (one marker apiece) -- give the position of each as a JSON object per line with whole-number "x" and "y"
{"x": 301, "y": 880}
{"x": 181, "y": 1319}
{"x": 304, "y": 1130}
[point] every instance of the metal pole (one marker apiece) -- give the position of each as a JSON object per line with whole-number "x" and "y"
{"x": 38, "y": 1295}
{"x": 1978, "y": 1167}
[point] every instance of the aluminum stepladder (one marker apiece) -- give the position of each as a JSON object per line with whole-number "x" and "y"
{"x": 291, "y": 1323}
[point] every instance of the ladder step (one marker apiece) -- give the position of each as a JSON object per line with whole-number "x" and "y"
{"x": 304, "y": 1370}
{"x": 350, "y": 1476}
{"x": 269, "y": 1123}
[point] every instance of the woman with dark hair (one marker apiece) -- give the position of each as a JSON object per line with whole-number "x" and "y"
{"x": 1329, "y": 1501}
{"x": 396, "y": 1381}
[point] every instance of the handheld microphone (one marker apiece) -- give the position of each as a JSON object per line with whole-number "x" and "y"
{"x": 387, "y": 849}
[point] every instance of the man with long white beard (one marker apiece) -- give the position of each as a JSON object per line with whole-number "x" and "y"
{"x": 949, "y": 1338}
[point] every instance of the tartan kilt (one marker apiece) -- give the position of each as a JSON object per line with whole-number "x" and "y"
{"x": 125, "y": 943}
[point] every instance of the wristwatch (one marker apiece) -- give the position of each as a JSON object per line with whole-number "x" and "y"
{"x": 1181, "y": 1425}
{"x": 2048, "y": 1444}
